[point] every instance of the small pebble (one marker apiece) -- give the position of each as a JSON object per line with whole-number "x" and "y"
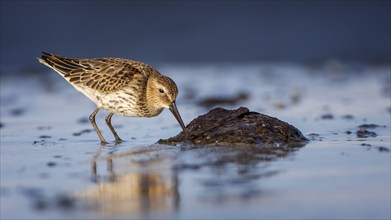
{"x": 44, "y": 128}
{"x": 383, "y": 149}
{"x": 81, "y": 132}
{"x": 327, "y": 116}
{"x": 348, "y": 117}
{"x": 40, "y": 204}
{"x": 65, "y": 202}
{"x": 314, "y": 136}
{"x": 363, "y": 133}
{"x": 17, "y": 112}
{"x": 369, "y": 126}
{"x": 83, "y": 120}
{"x": 51, "y": 164}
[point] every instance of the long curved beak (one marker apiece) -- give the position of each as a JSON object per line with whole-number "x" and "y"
{"x": 175, "y": 112}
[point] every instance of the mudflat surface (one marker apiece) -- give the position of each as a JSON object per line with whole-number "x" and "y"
{"x": 53, "y": 166}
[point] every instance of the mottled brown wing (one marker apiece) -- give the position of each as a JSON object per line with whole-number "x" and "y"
{"x": 102, "y": 74}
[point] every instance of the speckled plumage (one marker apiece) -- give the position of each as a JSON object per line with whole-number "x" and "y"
{"x": 120, "y": 86}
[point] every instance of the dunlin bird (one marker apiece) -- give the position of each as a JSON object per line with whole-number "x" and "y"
{"x": 125, "y": 87}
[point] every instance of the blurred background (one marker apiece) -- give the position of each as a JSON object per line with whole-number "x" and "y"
{"x": 196, "y": 31}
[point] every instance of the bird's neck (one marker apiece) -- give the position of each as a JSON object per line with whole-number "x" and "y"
{"x": 151, "y": 102}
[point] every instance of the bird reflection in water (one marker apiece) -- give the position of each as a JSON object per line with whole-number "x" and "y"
{"x": 131, "y": 194}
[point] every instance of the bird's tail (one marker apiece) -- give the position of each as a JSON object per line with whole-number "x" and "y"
{"x": 58, "y": 63}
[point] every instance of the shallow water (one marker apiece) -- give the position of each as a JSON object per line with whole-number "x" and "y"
{"x": 52, "y": 165}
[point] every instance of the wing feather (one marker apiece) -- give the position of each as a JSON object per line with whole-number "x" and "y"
{"x": 102, "y": 74}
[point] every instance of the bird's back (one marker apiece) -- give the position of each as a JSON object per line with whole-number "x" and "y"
{"x": 104, "y": 75}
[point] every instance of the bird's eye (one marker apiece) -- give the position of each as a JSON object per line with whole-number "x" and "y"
{"x": 161, "y": 90}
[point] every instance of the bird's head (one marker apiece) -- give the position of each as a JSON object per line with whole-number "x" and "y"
{"x": 162, "y": 92}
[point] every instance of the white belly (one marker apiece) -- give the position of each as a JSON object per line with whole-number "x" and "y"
{"x": 116, "y": 102}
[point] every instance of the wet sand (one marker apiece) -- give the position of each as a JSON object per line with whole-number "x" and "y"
{"x": 53, "y": 166}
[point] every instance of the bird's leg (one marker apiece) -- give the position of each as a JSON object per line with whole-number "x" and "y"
{"x": 92, "y": 120}
{"x": 108, "y": 122}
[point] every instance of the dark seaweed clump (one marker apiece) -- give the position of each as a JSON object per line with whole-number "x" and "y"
{"x": 237, "y": 127}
